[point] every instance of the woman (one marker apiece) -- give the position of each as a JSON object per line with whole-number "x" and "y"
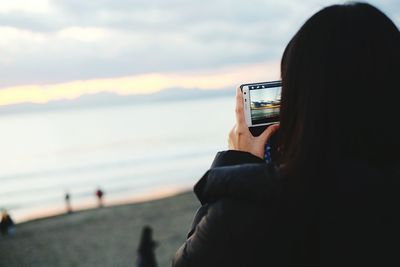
{"x": 332, "y": 195}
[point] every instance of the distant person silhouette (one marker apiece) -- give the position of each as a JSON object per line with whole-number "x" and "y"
{"x": 99, "y": 195}
{"x": 6, "y": 224}
{"x": 145, "y": 253}
{"x": 68, "y": 202}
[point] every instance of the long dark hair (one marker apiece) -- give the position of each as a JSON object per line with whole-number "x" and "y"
{"x": 340, "y": 76}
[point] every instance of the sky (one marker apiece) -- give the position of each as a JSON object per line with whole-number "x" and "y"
{"x": 62, "y": 49}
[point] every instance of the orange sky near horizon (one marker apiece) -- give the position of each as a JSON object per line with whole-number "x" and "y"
{"x": 142, "y": 84}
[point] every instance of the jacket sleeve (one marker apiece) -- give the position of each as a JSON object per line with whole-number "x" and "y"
{"x": 234, "y": 157}
{"x": 204, "y": 245}
{"x": 208, "y": 236}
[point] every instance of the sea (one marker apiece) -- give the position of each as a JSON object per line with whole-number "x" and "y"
{"x": 127, "y": 151}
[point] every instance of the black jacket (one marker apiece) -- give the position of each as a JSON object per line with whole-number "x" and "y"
{"x": 249, "y": 217}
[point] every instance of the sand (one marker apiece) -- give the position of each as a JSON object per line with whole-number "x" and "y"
{"x": 106, "y": 236}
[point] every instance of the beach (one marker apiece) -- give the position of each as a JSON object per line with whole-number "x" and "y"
{"x": 106, "y": 236}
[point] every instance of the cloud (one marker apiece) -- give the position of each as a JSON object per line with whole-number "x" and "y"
{"x": 37, "y": 6}
{"x": 141, "y": 84}
{"x": 47, "y": 42}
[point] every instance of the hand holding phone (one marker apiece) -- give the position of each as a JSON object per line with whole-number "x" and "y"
{"x": 261, "y": 105}
{"x": 240, "y": 137}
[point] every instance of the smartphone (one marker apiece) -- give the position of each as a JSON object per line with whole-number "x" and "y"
{"x": 261, "y": 103}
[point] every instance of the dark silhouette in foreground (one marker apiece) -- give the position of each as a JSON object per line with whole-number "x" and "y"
{"x": 145, "y": 253}
{"x": 99, "y": 195}
{"x": 6, "y": 224}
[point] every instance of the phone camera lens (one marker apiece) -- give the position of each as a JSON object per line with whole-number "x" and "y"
{"x": 244, "y": 92}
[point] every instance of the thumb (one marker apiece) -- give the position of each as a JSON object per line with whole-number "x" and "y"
{"x": 266, "y": 135}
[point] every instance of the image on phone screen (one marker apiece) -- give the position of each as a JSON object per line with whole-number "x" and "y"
{"x": 265, "y": 100}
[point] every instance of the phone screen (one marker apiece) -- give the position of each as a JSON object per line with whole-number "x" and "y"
{"x": 265, "y": 101}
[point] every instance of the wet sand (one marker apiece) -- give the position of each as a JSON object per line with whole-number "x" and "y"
{"x": 106, "y": 236}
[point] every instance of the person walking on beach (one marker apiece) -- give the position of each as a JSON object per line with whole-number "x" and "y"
{"x": 330, "y": 196}
{"x": 99, "y": 195}
{"x": 67, "y": 198}
{"x": 145, "y": 252}
{"x": 6, "y": 224}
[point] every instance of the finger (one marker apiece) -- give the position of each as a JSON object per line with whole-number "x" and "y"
{"x": 266, "y": 135}
{"x": 240, "y": 121}
{"x": 231, "y": 138}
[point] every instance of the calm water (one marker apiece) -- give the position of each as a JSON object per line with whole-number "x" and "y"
{"x": 126, "y": 150}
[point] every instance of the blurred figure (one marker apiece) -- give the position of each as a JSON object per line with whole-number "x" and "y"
{"x": 145, "y": 253}
{"x": 6, "y": 224}
{"x": 68, "y": 202}
{"x": 99, "y": 195}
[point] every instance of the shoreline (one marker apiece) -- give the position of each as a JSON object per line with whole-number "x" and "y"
{"x": 126, "y": 199}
